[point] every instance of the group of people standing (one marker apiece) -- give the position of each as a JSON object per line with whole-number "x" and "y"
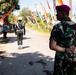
{"x": 19, "y": 29}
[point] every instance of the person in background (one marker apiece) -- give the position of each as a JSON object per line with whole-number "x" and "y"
{"x": 63, "y": 41}
{"x": 20, "y": 31}
{"x": 5, "y": 30}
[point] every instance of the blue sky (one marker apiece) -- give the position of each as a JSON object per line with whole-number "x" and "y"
{"x": 31, "y": 3}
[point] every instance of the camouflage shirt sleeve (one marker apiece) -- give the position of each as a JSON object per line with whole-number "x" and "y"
{"x": 54, "y": 34}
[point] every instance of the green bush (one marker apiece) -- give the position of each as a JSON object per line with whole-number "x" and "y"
{"x": 41, "y": 26}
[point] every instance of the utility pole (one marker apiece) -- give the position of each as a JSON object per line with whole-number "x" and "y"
{"x": 70, "y": 4}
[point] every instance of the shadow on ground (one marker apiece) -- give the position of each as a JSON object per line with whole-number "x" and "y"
{"x": 11, "y": 39}
{"x": 26, "y": 64}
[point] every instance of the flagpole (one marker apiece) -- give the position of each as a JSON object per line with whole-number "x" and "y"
{"x": 38, "y": 13}
{"x": 48, "y": 5}
{"x": 45, "y": 13}
{"x": 54, "y": 5}
{"x": 34, "y": 18}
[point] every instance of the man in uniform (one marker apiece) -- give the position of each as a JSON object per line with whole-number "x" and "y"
{"x": 20, "y": 31}
{"x": 63, "y": 41}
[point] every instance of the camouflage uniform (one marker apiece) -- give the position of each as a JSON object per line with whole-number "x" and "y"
{"x": 64, "y": 33}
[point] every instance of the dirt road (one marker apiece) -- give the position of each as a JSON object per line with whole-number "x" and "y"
{"x": 34, "y": 59}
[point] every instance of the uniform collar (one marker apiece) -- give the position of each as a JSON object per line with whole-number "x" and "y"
{"x": 66, "y": 19}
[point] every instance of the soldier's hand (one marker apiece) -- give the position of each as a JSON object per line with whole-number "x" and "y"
{"x": 70, "y": 50}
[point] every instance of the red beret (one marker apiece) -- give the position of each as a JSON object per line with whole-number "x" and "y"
{"x": 63, "y": 8}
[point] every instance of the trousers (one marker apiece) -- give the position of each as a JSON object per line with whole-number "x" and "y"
{"x": 20, "y": 39}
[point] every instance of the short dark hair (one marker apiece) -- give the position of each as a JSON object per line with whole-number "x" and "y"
{"x": 67, "y": 12}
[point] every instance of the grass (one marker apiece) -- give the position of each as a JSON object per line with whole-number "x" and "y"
{"x": 40, "y": 29}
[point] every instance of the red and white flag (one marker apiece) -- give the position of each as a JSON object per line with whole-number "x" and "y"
{"x": 48, "y": 4}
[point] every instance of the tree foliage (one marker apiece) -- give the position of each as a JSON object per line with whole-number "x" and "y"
{"x": 25, "y": 12}
{"x": 5, "y": 5}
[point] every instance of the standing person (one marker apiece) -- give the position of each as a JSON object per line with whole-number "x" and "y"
{"x": 5, "y": 30}
{"x": 20, "y": 30}
{"x": 63, "y": 41}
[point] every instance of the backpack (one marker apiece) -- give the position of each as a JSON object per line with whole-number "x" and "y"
{"x": 20, "y": 28}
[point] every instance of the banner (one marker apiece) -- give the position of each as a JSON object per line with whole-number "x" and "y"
{"x": 32, "y": 13}
{"x": 48, "y": 5}
{"x": 60, "y": 2}
{"x": 28, "y": 19}
{"x": 38, "y": 13}
{"x": 44, "y": 10}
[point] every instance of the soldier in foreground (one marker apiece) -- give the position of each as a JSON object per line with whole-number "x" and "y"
{"x": 63, "y": 41}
